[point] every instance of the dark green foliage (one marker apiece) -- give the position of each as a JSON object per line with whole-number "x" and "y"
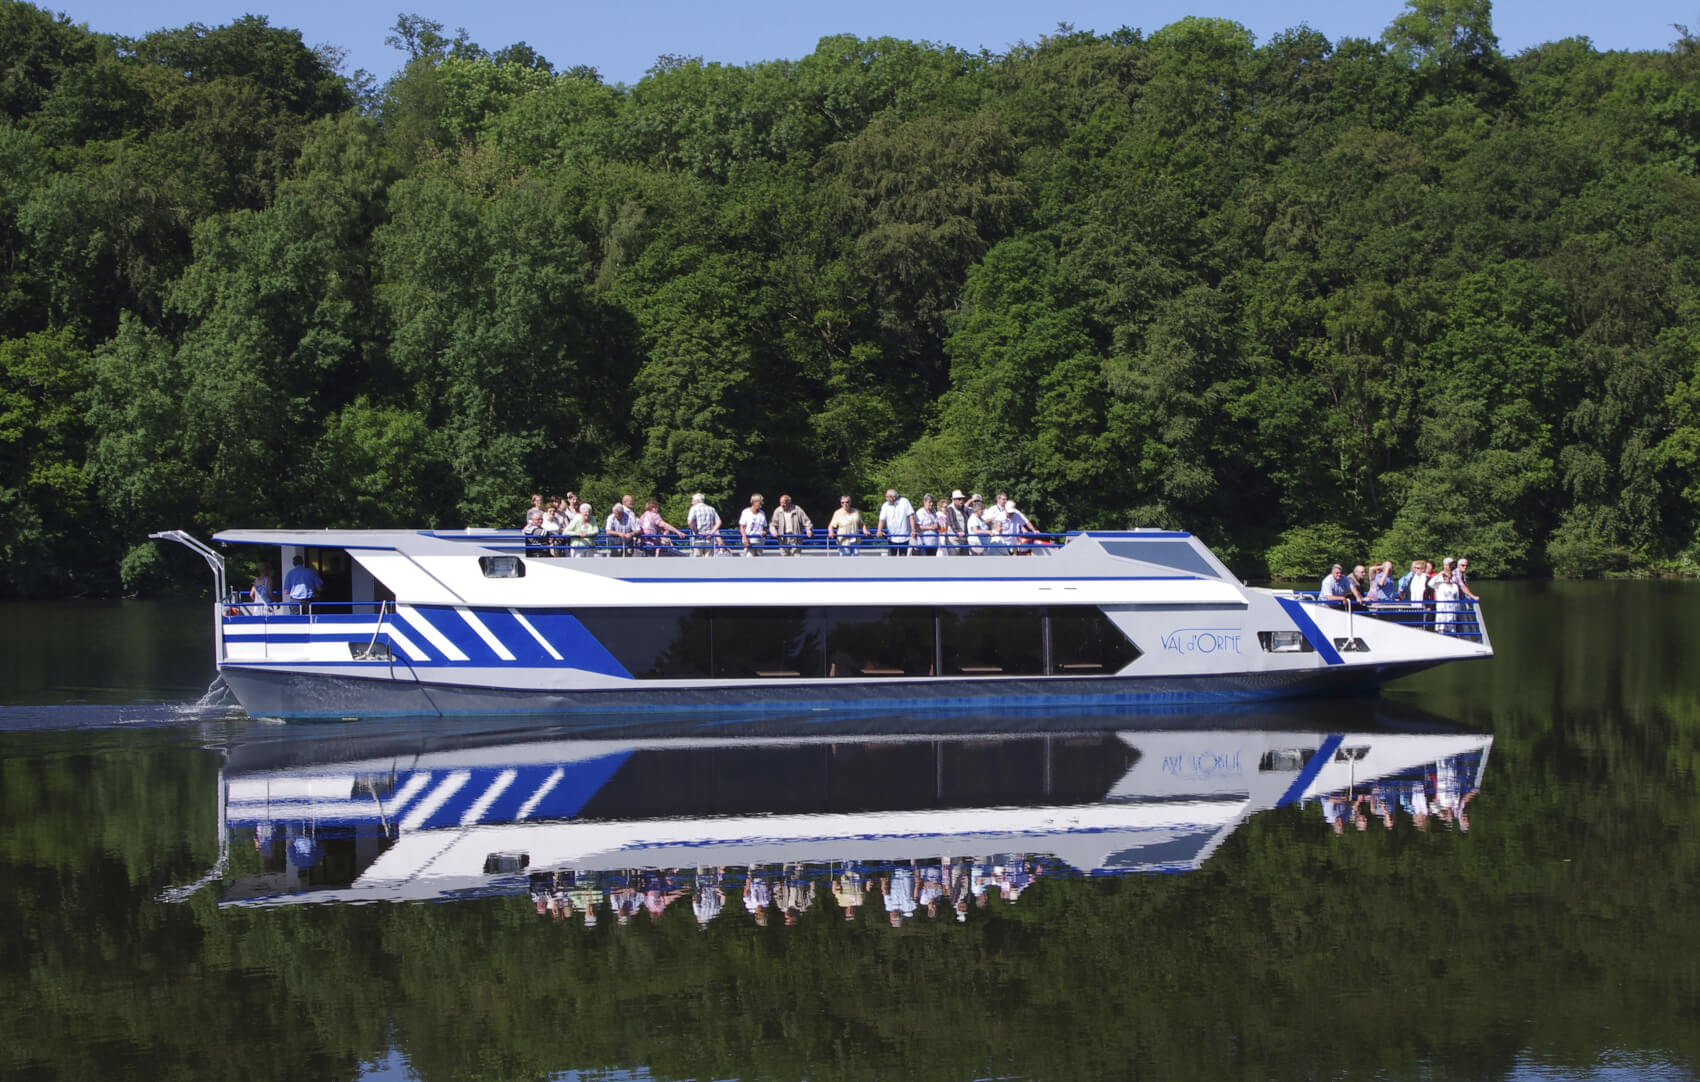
{"x": 1415, "y": 291}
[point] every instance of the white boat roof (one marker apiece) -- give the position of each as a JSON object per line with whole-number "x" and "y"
{"x": 1130, "y": 554}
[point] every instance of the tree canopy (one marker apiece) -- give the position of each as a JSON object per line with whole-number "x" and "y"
{"x": 1397, "y": 296}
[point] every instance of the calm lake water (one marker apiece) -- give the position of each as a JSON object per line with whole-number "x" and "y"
{"x": 1110, "y": 896}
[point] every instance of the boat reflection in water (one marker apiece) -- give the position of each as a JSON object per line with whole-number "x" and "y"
{"x": 642, "y": 820}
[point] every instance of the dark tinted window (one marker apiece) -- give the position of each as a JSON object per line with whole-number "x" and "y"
{"x": 880, "y": 642}
{"x": 1177, "y": 554}
{"x": 1084, "y": 642}
{"x": 992, "y": 641}
{"x": 767, "y": 642}
{"x": 653, "y": 642}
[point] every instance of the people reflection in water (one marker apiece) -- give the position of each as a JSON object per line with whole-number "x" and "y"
{"x": 848, "y": 886}
{"x": 980, "y": 877}
{"x": 1442, "y": 791}
{"x": 708, "y": 897}
{"x": 660, "y": 890}
{"x": 585, "y": 894}
{"x": 1018, "y": 874}
{"x": 1452, "y": 792}
{"x": 757, "y": 894}
{"x": 898, "y": 890}
{"x": 795, "y": 894}
{"x": 624, "y": 898}
{"x": 931, "y": 887}
{"x": 961, "y": 876}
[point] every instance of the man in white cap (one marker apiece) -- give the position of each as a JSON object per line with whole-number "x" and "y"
{"x": 956, "y": 525}
{"x": 704, "y": 523}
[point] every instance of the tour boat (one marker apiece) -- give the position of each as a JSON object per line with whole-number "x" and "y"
{"x": 409, "y": 814}
{"x": 430, "y": 622}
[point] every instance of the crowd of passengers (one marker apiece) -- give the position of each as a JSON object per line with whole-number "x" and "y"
{"x": 1446, "y": 592}
{"x": 901, "y": 890}
{"x": 964, "y": 526}
{"x": 1441, "y": 793}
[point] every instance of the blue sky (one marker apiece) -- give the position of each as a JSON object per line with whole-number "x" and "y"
{"x": 623, "y": 39}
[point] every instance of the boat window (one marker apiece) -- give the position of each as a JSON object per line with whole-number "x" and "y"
{"x": 653, "y": 643}
{"x": 506, "y": 863}
{"x": 502, "y": 567}
{"x": 1177, "y": 554}
{"x": 777, "y": 642}
{"x": 1284, "y": 760}
{"x": 1284, "y": 642}
{"x": 1085, "y": 642}
{"x": 992, "y": 641}
{"x": 900, "y": 642}
{"x": 335, "y": 572}
{"x": 881, "y": 642}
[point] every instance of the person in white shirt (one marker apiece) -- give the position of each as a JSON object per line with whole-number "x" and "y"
{"x": 997, "y": 521}
{"x": 752, "y": 526}
{"x": 979, "y": 533}
{"x": 897, "y": 522}
{"x": 928, "y": 524}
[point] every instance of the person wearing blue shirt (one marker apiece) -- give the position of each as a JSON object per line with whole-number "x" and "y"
{"x": 1335, "y": 588}
{"x": 302, "y": 583}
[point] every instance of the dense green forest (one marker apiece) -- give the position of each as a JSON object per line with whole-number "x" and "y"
{"x": 1312, "y": 300}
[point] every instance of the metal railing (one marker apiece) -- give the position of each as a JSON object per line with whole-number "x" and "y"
{"x": 1458, "y": 619}
{"x": 728, "y": 542}
{"x": 238, "y": 603}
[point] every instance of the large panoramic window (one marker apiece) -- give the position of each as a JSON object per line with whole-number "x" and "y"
{"x": 880, "y": 642}
{"x": 896, "y": 642}
{"x": 992, "y": 641}
{"x": 653, "y": 643}
{"x": 774, "y": 642}
{"x": 1085, "y": 643}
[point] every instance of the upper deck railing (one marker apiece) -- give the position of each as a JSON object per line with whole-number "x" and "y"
{"x": 728, "y": 542}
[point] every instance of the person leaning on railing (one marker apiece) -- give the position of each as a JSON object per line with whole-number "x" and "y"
{"x": 704, "y": 523}
{"x": 928, "y": 525}
{"x": 790, "y": 524}
{"x": 955, "y": 531}
{"x": 582, "y": 530}
{"x": 845, "y": 529}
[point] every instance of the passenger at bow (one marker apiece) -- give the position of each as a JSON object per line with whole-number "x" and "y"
{"x": 1335, "y": 589}
{"x": 1383, "y": 589}
{"x": 1463, "y": 578}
